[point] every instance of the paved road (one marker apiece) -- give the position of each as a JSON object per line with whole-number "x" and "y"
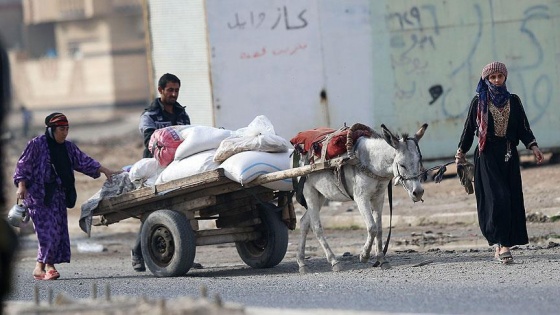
{"x": 465, "y": 281}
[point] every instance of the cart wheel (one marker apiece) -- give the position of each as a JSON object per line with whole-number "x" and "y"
{"x": 269, "y": 250}
{"x": 168, "y": 243}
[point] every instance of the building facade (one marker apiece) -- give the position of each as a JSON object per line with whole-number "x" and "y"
{"x": 80, "y": 53}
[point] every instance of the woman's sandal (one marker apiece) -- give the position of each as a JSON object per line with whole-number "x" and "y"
{"x": 51, "y": 275}
{"x": 505, "y": 257}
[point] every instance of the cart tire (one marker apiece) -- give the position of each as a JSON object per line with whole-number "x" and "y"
{"x": 168, "y": 243}
{"x": 270, "y": 249}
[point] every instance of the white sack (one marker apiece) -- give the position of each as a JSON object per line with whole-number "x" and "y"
{"x": 144, "y": 169}
{"x": 261, "y": 125}
{"x": 246, "y": 166}
{"x": 200, "y": 138}
{"x": 258, "y": 136}
{"x": 151, "y": 181}
{"x": 194, "y": 164}
{"x": 263, "y": 143}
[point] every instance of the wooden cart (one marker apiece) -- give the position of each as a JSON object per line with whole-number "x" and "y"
{"x": 249, "y": 215}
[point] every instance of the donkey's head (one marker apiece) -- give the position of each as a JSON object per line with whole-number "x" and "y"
{"x": 407, "y": 165}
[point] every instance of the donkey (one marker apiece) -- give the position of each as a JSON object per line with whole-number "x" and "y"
{"x": 379, "y": 159}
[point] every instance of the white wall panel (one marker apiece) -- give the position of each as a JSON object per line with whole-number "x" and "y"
{"x": 180, "y": 46}
{"x": 267, "y": 60}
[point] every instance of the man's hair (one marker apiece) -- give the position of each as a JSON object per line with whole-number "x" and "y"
{"x": 168, "y": 77}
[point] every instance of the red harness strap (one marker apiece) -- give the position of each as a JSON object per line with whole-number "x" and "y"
{"x": 336, "y": 141}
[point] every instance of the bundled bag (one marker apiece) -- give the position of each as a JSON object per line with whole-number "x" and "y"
{"x": 258, "y": 136}
{"x": 164, "y": 143}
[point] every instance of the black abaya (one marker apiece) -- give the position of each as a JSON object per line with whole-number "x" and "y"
{"x": 499, "y": 195}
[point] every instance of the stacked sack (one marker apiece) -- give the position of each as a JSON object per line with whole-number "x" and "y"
{"x": 255, "y": 150}
{"x": 244, "y": 154}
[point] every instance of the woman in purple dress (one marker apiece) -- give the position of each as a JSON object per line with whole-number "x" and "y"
{"x": 44, "y": 177}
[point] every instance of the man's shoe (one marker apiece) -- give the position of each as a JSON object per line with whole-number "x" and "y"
{"x": 137, "y": 262}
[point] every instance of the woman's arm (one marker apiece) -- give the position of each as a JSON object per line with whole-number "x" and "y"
{"x": 108, "y": 172}
{"x": 526, "y": 134}
{"x": 469, "y": 130}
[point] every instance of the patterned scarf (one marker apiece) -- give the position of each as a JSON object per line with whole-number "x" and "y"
{"x": 488, "y": 92}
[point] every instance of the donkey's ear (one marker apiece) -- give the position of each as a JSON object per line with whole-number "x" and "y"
{"x": 389, "y": 137}
{"x": 420, "y": 133}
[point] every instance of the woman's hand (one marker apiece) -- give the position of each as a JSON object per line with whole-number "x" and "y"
{"x": 21, "y": 191}
{"x": 538, "y": 154}
{"x": 108, "y": 173}
{"x": 460, "y": 157}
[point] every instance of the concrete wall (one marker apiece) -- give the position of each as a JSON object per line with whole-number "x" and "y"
{"x": 428, "y": 56}
{"x": 380, "y": 62}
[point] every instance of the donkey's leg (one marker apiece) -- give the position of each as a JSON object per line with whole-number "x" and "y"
{"x": 300, "y": 257}
{"x": 378, "y": 239}
{"x": 364, "y": 206}
{"x": 314, "y": 207}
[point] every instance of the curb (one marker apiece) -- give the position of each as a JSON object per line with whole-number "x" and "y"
{"x": 343, "y": 221}
{"x": 349, "y": 220}
{"x": 354, "y": 221}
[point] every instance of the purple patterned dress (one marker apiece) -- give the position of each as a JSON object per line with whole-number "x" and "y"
{"x": 51, "y": 222}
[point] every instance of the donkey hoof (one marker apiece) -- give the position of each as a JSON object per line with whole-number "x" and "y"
{"x": 303, "y": 270}
{"x": 337, "y": 267}
{"x": 364, "y": 258}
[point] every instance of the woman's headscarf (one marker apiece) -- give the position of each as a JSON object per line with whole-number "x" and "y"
{"x": 497, "y": 95}
{"x": 54, "y": 120}
{"x": 58, "y": 152}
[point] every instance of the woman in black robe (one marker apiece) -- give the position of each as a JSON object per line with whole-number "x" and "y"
{"x": 499, "y": 121}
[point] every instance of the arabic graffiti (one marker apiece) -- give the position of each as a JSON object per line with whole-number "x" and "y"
{"x": 263, "y": 19}
{"x": 404, "y": 18}
{"x": 415, "y": 40}
{"x": 286, "y": 51}
{"x": 420, "y": 37}
{"x": 412, "y": 35}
